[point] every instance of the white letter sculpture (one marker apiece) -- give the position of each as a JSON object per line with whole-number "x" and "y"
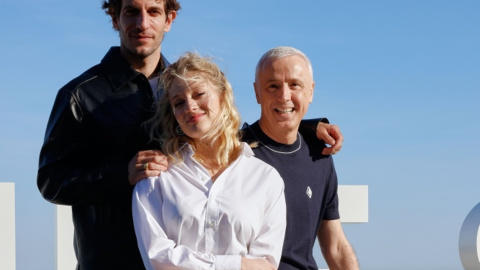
{"x": 469, "y": 242}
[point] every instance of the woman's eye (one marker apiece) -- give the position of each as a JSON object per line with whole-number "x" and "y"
{"x": 177, "y": 104}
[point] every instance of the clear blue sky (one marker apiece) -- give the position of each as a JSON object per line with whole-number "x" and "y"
{"x": 401, "y": 78}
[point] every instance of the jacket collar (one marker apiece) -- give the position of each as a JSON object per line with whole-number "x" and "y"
{"x": 119, "y": 71}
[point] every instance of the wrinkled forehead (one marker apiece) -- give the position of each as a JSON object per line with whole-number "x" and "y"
{"x": 289, "y": 62}
{"x": 292, "y": 65}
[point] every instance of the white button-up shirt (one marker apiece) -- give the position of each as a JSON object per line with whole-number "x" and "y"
{"x": 185, "y": 221}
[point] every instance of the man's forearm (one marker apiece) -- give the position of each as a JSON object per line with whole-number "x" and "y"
{"x": 342, "y": 259}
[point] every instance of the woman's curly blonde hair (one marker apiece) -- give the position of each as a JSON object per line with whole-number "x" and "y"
{"x": 191, "y": 67}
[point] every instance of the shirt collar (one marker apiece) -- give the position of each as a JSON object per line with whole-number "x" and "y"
{"x": 188, "y": 151}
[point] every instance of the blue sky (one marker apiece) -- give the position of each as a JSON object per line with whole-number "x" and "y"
{"x": 400, "y": 78}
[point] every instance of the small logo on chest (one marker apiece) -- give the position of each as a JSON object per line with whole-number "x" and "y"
{"x": 309, "y": 192}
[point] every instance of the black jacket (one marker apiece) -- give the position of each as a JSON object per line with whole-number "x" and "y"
{"x": 94, "y": 130}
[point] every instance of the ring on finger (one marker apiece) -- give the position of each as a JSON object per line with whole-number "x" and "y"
{"x": 145, "y": 166}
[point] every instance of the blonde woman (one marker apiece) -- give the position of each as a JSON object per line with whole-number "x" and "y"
{"x": 217, "y": 206}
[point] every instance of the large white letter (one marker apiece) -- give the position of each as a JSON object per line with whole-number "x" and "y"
{"x": 7, "y": 226}
{"x": 469, "y": 244}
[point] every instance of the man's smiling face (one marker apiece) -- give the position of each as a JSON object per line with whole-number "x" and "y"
{"x": 284, "y": 89}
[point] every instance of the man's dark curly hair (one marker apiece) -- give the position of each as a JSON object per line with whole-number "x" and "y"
{"x": 113, "y": 7}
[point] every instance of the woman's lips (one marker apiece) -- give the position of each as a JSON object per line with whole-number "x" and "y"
{"x": 194, "y": 118}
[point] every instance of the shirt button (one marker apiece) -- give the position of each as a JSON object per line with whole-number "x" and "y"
{"x": 210, "y": 224}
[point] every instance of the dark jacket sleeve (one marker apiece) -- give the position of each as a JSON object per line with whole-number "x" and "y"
{"x": 310, "y": 125}
{"x": 69, "y": 171}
